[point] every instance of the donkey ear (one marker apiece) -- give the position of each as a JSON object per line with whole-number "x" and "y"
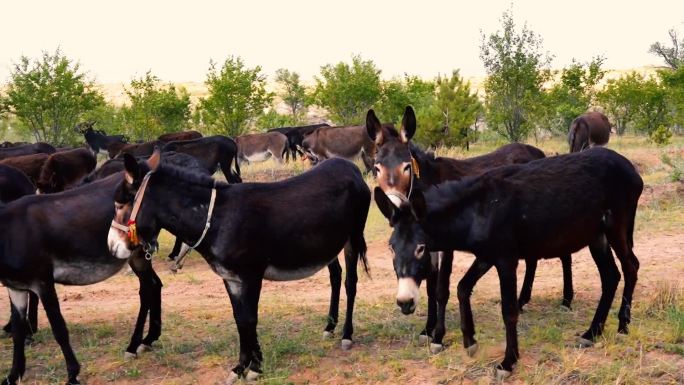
{"x": 418, "y": 205}
{"x": 155, "y": 159}
{"x": 408, "y": 124}
{"x": 374, "y": 128}
{"x": 131, "y": 168}
{"x": 387, "y": 208}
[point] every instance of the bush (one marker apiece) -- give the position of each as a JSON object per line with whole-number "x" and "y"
{"x": 661, "y": 135}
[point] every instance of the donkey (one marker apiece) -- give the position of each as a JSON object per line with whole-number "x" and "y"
{"x": 212, "y": 152}
{"x": 183, "y": 135}
{"x": 70, "y": 248}
{"x": 400, "y": 166}
{"x": 63, "y": 170}
{"x": 14, "y": 184}
{"x": 31, "y": 165}
{"x": 588, "y": 130}
{"x": 98, "y": 140}
{"x": 295, "y": 137}
{"x": 138, "y": 149}
{"x": 260, "y": 147}
{"x": 26, "y": 149}
{"x": 524, "y": 211}
{"x": 248, "y": 237}
{"x": 347, "y": 142}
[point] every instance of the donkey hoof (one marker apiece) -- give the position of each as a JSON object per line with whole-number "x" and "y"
{"x": 436, "y": 348}
{"x": 130, "y": 356}
{"x": 423, "y": 339}
{"x": 502, "y": 374}
{"x": 252, "y": 376}
{"x": 471, "y": 350}
{"x": 584, "y": 343}
{"x": 328, "y": 335}
{"x": 347, "y": 344}
{"x": 143, "y": 348}
{"x": 232, "y": 378}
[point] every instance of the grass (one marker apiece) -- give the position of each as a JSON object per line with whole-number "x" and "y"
{"x": 199, "y": 339}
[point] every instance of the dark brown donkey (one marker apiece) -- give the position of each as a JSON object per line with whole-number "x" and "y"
{"x": 63, "y": 170}
{"x": 347, "y": 142}
{"x": 401, "y": 167}
{"x": 588, "y": 130}
{"x": 183, "y": 135}
{"x": 27, "y": 149}
{"x": 548, "y": 207}
{"x": 28, "y": 164}
{"x": 136, "y": 149}
{"x": 260, "y": 147}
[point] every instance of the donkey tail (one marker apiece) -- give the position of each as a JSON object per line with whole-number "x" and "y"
{"x": 358, "y": 244}
{"x": 237, "y": 167}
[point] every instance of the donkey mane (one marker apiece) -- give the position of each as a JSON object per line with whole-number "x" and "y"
{"x": 189, "y": 177}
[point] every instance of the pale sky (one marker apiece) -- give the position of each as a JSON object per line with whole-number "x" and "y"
{"x": 116, "y": 40}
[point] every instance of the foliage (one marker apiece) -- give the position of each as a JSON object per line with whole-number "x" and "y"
{"x": 447, "y": 121}
{"x": 673, "y": 81}
{"x": 155, "y": 109}
{"x": 109, "y": 118}
{"x": 348, "y": 91}
{"x": 294, "y": 93}
{"x": 677, "y": 165}
{"x": 516, "y": 70}
{"x": 573, "y": 94}
{"x": 49, "y": 95}
{"x": 398, "y": 93}
{"x": 673, "y": 55}
{"x": 272, "y": 119}
{"x": 661, "y": 135}
{"x": 651, "y": 110}
{"x": 237, "y": 95}
{"x": 620, "y": 99}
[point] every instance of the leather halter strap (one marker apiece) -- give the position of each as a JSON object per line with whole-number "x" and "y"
{"x": 415, "y": 171}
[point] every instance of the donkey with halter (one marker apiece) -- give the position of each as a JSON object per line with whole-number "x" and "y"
{"x": 533, "y": 210}
{"x": 243, "y": 233}
{"x": 401, "y": 167}
{"x": 70, "y": 248}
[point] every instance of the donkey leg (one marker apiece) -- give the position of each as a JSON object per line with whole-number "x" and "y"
{"x": 31, "y": 321}
{"x": 506, "y": 267}
{"x": 150, "y": 301}
{"x": 136, "y": 339}
{"x": 568, "y": 291}
{"x": 244, "y": 291}
{"x": 610, "y": 277}
{"x": 335, "y": 270}
{"x": 351, "y": 259}
{"x": 630, "y": 269}
{"x": 526, "y": 291}
{"x": 464, "y": 290}
{"x": 443, "y": 280}
{"x": 431, "y": 286}
{"x": 48, "y": 296}
{"x": 18, "y": 304}
{"x": 176, "y": 249}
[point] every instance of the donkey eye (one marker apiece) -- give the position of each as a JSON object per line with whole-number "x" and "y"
{"x": 420, "y": 251}
{"x": 118, "y": 206}
{"x": 377, "y": 169}
{"x": 407, "y": 168}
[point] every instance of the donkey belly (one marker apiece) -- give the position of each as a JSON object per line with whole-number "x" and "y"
{"x": 258, "y": 156}
{"x": 83, "y": 272}
{"x": 276, "y": 273}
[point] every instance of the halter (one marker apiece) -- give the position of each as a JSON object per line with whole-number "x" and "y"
{"x": 415, "y": 171}
{"x": 131, "y": 229}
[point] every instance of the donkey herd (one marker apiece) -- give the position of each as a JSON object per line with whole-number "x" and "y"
{"x": 63, "y": 221}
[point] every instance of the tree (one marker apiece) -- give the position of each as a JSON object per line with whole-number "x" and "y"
{"x": 293, "y": 92}
{"x": 398, "y": 93}
{"x": 272, "y": 119}
{"x": 348, "y": 91}
{"x": 155, "y": 109}
{"x": 651, "y": 110}
{"x": 673, "y": 55}
{"x": 49, "y": 96}
{"x": 574, "y": 93}
{"x": 516, "y": 70}
{"x": 237, "y": 95}
{"x": 673, "y": 81}
{"x": 448, "y": 119}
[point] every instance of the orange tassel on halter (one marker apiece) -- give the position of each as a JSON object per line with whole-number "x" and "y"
{"x": 414, "y": 165}
{"x": 132, "y": 233}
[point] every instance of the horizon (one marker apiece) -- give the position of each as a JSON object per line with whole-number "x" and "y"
{"x": 178, "y": 42}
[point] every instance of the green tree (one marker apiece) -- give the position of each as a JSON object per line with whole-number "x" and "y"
{"x": 293, "y": 92}
{"x": 651, "y": 109}
{"x": 50, "y": 95}
{"x": 516, "y": 70}
{"x": 574, "y": 93}
{"x": 155, "y": 108}
{"x": 673, "y": 55}
{"x": 272, "y": 119}
{"x": 673, "y": 81}
{"x": 448, "y": 119}
{"x": 348, "y": 91}
{"x": 109, "y": 118}
{"x": 397, "y": 93}
{"x": 237, "y": 95}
